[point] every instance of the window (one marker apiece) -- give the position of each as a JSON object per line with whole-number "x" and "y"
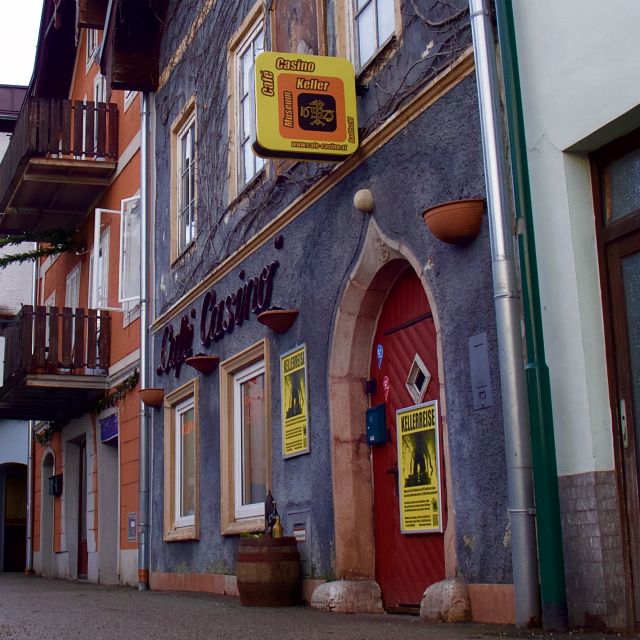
{"x": 245, "y": 46}
{"x": 129, "y": 288}
{"x": 181, "y": 463}
{"x": 92, "y": 45}
{"x": 129, "y": 97}
{"x": 99, "y": 270}
{"x": 245, "y": 435}
{"x": 72, "y": 291}
{"x": 183, "y": 191}
{"x": 374, "y": 22}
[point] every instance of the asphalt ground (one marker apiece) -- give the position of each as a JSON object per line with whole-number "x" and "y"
{"x": 36, "y": 608}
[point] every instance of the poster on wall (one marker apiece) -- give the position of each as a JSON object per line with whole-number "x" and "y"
{"x": 294, "y": 399}
{"x": 419, "y": 468}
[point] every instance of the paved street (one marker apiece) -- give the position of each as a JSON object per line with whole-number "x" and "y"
{"x": 35, "y": 608}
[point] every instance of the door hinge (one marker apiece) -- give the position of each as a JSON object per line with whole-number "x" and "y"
{"x": 623, "y": 424}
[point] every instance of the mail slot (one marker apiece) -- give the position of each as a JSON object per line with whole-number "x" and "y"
{"x": 376, "y": 424}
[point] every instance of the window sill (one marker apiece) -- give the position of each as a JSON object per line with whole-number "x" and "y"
{"x": 182, "y": 534}
{"x": 246, "y": 525}
{"x": 180, "y": 257}
{"x": 378, "y": 60}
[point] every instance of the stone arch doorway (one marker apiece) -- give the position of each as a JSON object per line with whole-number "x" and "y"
{"x": 380, "y": 263}
{"x": 46, "y": 515}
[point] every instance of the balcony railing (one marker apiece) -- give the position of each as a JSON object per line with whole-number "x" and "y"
{"x": 57, "y": 129}
{"x": 57, "y": 341}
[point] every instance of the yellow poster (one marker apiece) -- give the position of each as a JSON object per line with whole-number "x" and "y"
{"x": 295, "y": 408}
{"x": 419, "y": 468}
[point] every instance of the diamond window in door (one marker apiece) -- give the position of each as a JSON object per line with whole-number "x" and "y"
{"x": 418, "y": 379}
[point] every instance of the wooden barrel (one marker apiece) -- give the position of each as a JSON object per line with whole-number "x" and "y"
{"x": 268, "y": 572}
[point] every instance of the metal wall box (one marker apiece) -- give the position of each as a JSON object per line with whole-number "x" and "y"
{"x": 55, "y": 485}
{"x": 376, "y": 424}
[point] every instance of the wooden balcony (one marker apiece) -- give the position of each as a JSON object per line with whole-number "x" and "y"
{"x": 56, "y": 362}
{"x": 60, "y": 160}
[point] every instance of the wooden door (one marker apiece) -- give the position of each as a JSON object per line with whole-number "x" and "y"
{"x": 623, "y": 262}
{"x": 83, "y": 556}
{"x": 616, "y": 184}
{"x": 405, "y": 563}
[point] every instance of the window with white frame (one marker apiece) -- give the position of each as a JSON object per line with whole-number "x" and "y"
{"x": 186, "y": 168}
{"x": 245, "y": 52}
{"x": 249, "y": 441}
{"x": 99, "y": 273}
{"x": 92, "y": 45}
{"x": 181, "y": 463}
{"x": 72, "y": 290}
{"x": 185, "y": 464}
{"x": 245, "y": 443}
{"x": 129, "y": 289}
{"x": 374, "y": 25}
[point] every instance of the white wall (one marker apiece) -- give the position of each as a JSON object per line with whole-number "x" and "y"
{"x": 579, "y": 71}
{"x": 16, "y": 280}
{"x": 14, "y": 439}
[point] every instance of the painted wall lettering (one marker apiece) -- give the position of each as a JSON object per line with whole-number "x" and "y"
{"x": 219, "y": 316}
{"x": 176, "y": 347}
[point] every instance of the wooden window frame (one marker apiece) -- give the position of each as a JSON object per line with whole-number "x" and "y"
{"x": 229, "y": 369}
{"x": 254, "y": 19}
{"x": 185, "y": 120}
{"x": 175, "y": 528}
{"x": 93, "y": 38}
{"x": 346, "y": 35}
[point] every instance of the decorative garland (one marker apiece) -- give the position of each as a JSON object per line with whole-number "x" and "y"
{"x": 58, "y": 241}
{"x": 120, "y": 391}
{"x": 45, "y": 435}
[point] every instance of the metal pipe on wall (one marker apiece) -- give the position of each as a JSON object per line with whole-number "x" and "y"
{"x": 30, "y": 469}
{"x": 507, "y": 307}
{"x": 144, "y": 466}
{"x": 545, "y": 472}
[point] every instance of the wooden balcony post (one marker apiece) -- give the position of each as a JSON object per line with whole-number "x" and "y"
{"x": 27, "y": 335}
{"x": 40, "y": 336}
{"x": 92, "y": 337}
{"x": 104, "y": 340}
{"x": 78, "y": 339}
{"x": 78, "y": 133}
{"x": 112, "y": 143}
{"x": 52, "y": 355}
{"x": 67, "y": 336}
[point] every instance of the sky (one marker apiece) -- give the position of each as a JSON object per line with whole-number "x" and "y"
{"x": 19, "y": 24}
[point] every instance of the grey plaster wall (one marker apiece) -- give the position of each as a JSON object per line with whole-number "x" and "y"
{"x": 436, "y": 158}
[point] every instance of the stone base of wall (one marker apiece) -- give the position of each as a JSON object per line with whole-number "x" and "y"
{"x": 593, "y": 552}
{"x": 211, "y": 583}
{"x": 492, "y": 603}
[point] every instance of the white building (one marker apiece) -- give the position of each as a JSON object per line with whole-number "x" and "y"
{"x": 579, "y": 71}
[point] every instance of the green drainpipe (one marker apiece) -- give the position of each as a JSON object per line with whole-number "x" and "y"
{"x": 545, "y": 473}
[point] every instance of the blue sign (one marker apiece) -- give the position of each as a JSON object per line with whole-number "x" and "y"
{"x": 379, "y": 354}
{"x": 109, "y": 428}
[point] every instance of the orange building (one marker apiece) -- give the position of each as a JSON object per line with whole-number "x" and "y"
{"x": 72, "y": 171}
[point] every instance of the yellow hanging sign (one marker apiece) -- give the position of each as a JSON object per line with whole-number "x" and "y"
{"x": 305, "y": 107}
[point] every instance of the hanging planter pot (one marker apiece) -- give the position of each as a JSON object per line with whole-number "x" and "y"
{"x": 152, "y": 397}
{"x": 455, "y": 222}
{"x": 203, "y": 363}
{"x": 278, "y": 320}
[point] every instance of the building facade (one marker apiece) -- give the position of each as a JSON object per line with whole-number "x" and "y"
{"x": 583, "y": 167}
{"x": 375, "y": 296}
{"x": 71, "y": 175}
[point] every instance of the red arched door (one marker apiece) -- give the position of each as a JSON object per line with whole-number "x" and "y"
{"x": 404, "y": 363}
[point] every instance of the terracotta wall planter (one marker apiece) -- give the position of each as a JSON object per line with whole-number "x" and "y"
{"x": 152, "y": 396}
{"x": 455, "y": 222}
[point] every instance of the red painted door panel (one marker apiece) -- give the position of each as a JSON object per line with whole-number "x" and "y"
{"x": 405, "y": 564}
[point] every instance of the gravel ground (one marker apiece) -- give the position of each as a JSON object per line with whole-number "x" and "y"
{"x": 34, "y": 608}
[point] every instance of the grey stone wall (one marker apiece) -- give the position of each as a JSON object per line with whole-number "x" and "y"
{"x": 593, "y": 555}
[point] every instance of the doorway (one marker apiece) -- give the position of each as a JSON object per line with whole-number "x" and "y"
{"x": 83, "y": 556}
{"x": 616, "y": 180}
{"x": 46, "y": 516}
{"x": 404, "y": 364}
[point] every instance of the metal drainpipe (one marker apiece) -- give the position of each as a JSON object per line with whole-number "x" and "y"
{"x": 507, "y": 306}
{"x": 143, "y": 471}
{"x": 28, "y": 569}
{"x": 545, "y": 473}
